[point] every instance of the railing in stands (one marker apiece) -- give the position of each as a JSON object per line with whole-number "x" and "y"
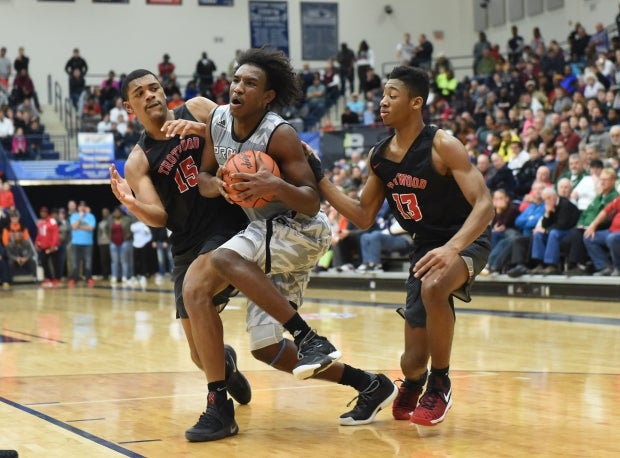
{"x": 57, "y": 99}
{"x": 70, "y": 118}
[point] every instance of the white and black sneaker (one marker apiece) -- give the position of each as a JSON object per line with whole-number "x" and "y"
{"x": 379, "y": 394}
{"x": 315, "y": 354}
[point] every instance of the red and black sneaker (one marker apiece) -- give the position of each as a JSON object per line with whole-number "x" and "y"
{"x": 406, "y": 400}
{"x": 433, "y": 407}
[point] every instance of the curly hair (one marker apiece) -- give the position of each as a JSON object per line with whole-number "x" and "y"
{"x": 280, "y": 75}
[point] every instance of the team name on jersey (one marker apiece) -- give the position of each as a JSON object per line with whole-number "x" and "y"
{"x": 402, "y": 179}
{"x": 172, "y": 157}
{"x": 223, "y": 152}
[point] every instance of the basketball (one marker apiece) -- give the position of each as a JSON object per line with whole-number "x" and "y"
{"x": 247, "y": 162}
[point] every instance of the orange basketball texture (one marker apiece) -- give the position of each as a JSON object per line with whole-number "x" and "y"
{"x": 247, "y": 162}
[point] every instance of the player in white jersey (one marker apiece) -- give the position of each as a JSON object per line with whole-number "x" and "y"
{"x": 270, "y": 261}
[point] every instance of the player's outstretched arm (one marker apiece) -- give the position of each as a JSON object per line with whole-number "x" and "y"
{"x": 360, "y": 212}
{"x": 137, "y": 192}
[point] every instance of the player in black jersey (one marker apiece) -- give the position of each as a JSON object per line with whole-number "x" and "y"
{"x": 161, "y": 189}
{"x": 440, "y": 198}
{"x": 263, "y": 80}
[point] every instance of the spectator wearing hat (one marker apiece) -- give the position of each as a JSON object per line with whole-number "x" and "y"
{"x": 592, "y": 85}
{"x": 83, "y": 225}
{"x": 356, "y": 105}
{"x": 47, "y": 242}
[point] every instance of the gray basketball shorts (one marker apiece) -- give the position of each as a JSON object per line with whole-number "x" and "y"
{"x": 475, "y": 257}
{"x": 286, "y": 247}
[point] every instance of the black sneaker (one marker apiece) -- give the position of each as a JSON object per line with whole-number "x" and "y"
{"x": 236, "y": 383}
{"x": 315, "y": 354}
{"x": 379, "y": 394}
{"x": 217, "y": 422}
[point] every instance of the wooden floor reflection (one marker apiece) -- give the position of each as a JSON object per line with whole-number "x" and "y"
{"x": 106, "y": 373}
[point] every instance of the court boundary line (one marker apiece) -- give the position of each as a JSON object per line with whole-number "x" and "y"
{"x": 88, "y": 436}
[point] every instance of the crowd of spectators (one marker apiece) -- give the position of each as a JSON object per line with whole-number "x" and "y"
{"x": 535, "y": 113}
{"x": 63, "y": 246}
{"x": 541, "y": 123}
{"x": 21, "y": 131}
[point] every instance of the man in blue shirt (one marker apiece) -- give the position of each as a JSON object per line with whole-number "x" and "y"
{"x": 83, "y": 225}
{"x": 526, "y": 222}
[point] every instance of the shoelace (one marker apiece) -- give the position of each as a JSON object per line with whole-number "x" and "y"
{"x": 405, "y": 394}
{"x": 209, "y": 417}
{"x": 364, "y": 395}
{"x": 308, "y": 343}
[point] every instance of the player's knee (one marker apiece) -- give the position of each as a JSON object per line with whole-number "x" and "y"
{"x": 433, "y": 292}
{"x": 223, "y": 260}
{"x": 413, "y": 362}
{"x": 191, "y": 293}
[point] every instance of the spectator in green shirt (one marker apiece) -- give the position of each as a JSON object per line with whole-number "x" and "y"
{"x": 576, "y": 255}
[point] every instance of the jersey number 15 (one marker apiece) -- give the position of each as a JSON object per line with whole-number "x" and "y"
{"x": 186, "y": 175}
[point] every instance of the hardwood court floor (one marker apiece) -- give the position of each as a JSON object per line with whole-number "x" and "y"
{"x": 105, "y": 373}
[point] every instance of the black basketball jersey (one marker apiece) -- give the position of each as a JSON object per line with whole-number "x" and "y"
{"x": 426, "y": 204}
{"x": 173, "y": 167}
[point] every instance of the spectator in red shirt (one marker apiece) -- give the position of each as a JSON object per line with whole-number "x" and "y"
{"x": 47, "y": 242}
{"x": 7, "y": 200}
{"x": 568, "y": 137}
{"x": 166, "y": 69}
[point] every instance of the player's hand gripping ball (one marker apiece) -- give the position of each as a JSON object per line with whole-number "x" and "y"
{"x": 247, "y": 162}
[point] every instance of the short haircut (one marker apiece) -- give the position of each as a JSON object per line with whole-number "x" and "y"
{"x": 134, "y": 76}
{"x": 414, "y": 78}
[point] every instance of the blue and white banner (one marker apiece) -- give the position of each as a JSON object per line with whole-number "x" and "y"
{"x": 269, "y": 25}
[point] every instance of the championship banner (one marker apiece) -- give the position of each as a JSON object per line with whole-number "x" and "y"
{"x": 96, "y": 153}
{"x": 269, "y": 25}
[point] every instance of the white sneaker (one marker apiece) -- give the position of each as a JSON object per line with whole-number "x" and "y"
{"x": 159, "y": 279}
{"x": 142, "y": 282}
{"x": 112, "y": 280}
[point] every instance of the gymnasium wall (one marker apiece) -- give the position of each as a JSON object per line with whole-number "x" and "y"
{"x": 122, "y": 37}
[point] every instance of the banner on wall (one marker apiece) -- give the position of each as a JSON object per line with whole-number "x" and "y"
{"x": 319, "y": 30}
{"x": 269, "y": 25}
{"x": 163, "y": 2}
{"x": 336, "y": 145}
{"x": 96, "y": 153}
{"x": 110, "y": 1}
